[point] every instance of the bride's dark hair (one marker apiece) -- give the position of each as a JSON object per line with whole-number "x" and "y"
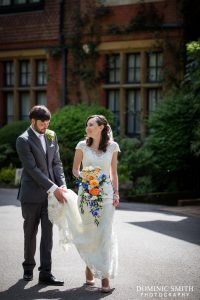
{"x": 105, "y": 137}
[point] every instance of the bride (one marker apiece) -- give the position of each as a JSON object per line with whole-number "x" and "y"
{"x": 87, "y": 220}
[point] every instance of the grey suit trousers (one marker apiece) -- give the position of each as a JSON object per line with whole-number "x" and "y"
{"x": 33, "y": 213}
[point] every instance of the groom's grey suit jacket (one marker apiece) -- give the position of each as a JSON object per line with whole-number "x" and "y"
{"x": 40, "y": 170}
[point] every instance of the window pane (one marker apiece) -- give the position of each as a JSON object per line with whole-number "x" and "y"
{"x": 160, "y": 59}
{"x": 113, "y": 67}
{"x": 9, "y": 107}
{"x": 25, "y": 73}
{"x": 113, "y": 105}
{"x": 9, "y": 73}
{"x": 152, "y": 60}
{"x": 25, "y": 105}
{"x": 133, "y": 67}
{"x": 5, "y": 2}
{"x": 133, "y": 112}
{"x": 20, "y": 1}
{"x": 155, "y": 67}
{"x": 41, "y": 98}
{"x": 154, "y": 96}
{"x": 41, "y": 72}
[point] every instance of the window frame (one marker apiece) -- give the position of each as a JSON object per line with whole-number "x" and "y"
{"x": 17, "y": 89}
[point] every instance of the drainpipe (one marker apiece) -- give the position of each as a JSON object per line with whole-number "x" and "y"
{"x": 63, "y": 54}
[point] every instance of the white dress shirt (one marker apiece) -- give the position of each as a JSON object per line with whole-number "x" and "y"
{"x": 42, "y": 140}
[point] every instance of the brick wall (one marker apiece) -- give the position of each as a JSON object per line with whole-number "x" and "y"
{"x": 54, "y": 83}
{"x": 30, "y": 29}
{"x": 40, "y": 29}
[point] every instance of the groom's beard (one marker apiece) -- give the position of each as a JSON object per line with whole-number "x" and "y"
{"x": 41, "y": 131}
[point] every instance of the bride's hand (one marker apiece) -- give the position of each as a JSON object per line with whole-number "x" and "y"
{"x": 115, "y": 200}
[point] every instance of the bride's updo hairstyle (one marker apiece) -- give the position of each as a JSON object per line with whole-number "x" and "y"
{"x": 105, "y": 134}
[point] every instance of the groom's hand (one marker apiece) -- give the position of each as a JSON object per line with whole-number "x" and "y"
{"x": 64, "y": 188}
{"x": 59, "y": 194}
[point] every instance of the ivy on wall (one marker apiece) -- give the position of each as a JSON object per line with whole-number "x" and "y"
{"x": 88, "y": 33}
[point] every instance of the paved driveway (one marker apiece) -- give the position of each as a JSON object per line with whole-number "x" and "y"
{"x": 159, "y": 256}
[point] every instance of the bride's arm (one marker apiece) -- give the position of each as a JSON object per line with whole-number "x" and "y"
{"x": 77, "y": 162}
{"x": 114, "y": 179}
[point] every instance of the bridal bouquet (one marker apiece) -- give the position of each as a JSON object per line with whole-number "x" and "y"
{"x": 91, "y": 179}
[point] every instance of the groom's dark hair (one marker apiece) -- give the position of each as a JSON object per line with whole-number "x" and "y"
{"x": 40, "y": 112}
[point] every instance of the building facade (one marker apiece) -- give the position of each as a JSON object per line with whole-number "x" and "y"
{"x": 121, "y": 54}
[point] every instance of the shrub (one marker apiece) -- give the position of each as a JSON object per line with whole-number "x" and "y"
{"x": 134, "y": 166}
{"x": 7, "y": 175}
{"x": 8, "y": 136}
{"x": 143, "y": 185}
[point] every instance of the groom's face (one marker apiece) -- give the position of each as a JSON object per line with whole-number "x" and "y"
{"x": 40, "y": 126}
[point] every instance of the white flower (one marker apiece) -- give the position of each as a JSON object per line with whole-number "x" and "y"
{"x": 94, "y": 198}
{"x": 86, "y": 48}
{"x": 91, "y": 168}
{"x": 50, "y": 134}
{"x": 86, "y": 194}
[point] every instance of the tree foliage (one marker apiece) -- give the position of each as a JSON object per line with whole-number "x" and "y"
{"x": 175, "y": 130}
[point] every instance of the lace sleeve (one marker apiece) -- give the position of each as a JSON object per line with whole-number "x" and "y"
{"x": 115, "y": 147}
{"x": 81, "y": 145}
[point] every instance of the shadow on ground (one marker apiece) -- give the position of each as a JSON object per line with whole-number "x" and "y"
{"x": 20, "y": 291}
{"x": 183, "y": 227}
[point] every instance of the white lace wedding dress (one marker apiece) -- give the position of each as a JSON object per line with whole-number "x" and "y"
{"x": 97, "y": 245}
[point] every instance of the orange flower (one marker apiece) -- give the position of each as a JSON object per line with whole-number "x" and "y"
{"x": 84, "y": 175}
{"x": 97, "y": 171}
{"x": 94, "y": 192}
{"x": 91, "y": 177}
{"x": 94, "y": 183}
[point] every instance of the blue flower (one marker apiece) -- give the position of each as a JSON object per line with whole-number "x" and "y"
{"x": 95, "y": 212}
{"x": 85, "y": 186}
{"x": 92, "y": 203}
{"x": 102, "y": 177}
{"x": 78, "y": 181}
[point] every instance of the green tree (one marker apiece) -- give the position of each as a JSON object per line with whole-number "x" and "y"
{"x": 175, "y": 126}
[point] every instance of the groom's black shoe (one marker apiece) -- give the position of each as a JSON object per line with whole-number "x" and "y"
{"x": 28, "y": 275}
{"x": 50, "y": 280}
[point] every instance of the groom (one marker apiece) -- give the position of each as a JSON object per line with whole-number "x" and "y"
{"x": 42, "y": 173}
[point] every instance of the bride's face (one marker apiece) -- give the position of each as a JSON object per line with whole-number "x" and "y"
{"x": 93, "y": 130}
